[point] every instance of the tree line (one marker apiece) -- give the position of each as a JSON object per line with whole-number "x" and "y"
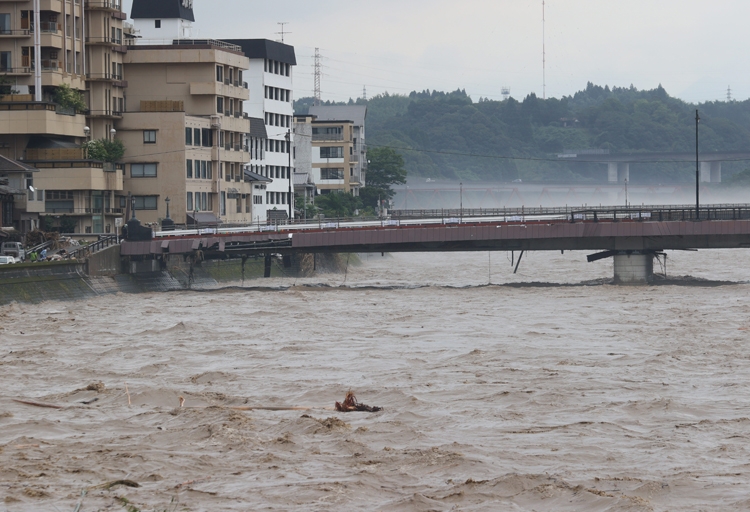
{"x": 448, "y": 135}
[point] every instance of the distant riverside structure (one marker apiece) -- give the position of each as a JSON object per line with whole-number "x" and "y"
{"x": 339, "y": 150}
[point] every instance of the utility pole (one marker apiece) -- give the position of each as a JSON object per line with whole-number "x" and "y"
{"x": 544, "y": 58}
{"x": 461, "y": 200}
{"x": 317, "y": 77}
{"x": 697, "y": 171}
{"x": 288, "y": 137}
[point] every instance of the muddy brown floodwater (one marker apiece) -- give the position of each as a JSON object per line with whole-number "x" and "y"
{"x": 564, "y": 395}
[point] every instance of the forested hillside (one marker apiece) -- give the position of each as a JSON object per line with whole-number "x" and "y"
{"x": 447, "y": 135}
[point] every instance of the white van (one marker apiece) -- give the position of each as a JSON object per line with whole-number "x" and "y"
{"x": 14, "y": 249}
{"x": 7, "y": 260}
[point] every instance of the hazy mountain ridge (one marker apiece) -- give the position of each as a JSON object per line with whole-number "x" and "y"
{"x": 458, "y": 138}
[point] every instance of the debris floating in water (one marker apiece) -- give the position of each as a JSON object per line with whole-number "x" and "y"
{"x": 351, "y": 404}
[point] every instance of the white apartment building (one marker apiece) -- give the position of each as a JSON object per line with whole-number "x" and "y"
{"x": 270, "y": 82}
{"x": 163, "y": 19}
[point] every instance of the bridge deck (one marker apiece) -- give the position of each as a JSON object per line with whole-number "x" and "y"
{"x": 579, "y": 232}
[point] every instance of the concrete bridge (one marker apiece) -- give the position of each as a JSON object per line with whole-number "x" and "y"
{"x": 618, "y": 164}
{"x": 632, "y": 236}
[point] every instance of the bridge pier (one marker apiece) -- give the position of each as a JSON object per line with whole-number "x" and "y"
{"x": 618, "y": 172}
{"x": 634, "y": 268}
{"x": 710, "y": 172}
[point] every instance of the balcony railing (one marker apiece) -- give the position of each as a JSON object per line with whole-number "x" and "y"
{"x": 15, "y": 32}
{"x": 104, "y": 40}
{"x": 328, "y": 136}
{"x": 86, "y": 211}
{"x": 49, "y": 27}
{"x": 16, "y": 71}
{"x": 104, "y": 113}
{"x": 103, "y": 76}
{"x": 113, "y": 5}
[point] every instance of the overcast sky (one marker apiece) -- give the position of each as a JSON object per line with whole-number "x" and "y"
{"x": 694, "y": 48}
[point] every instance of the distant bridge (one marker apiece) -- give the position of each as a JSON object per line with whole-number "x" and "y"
{"x": 631, "y": 235}
{"x": 618, "y": 164}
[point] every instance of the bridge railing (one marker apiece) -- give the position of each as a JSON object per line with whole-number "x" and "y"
{"x": 584, "y": 213}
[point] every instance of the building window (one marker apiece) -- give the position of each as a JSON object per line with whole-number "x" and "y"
{"x": 189, "y": 201}
{"x": 209, "y": 171}
{"x": 143, "y": 170}
{"x": 207, "y": 137}
{"x": 203, "y": 170}
{"x": 189, "y": 168}
{"x": 220, "y": 105}
{"x": 219, "y": 73}
{"x": 332, "y": 152}
{"x": 331, "y": 174}
{"x": 188, "y": 136}
{"x": 149, "y": 136}
{"x": 196, "y": 136}
{"x": 257, "y": 199}
{"x": 145, "y": 202}
{"x": 157, "y": 23}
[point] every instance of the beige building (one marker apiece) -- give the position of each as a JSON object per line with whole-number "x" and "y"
{"x": 333, "y": 159}
{"x": 185, "y": 132}
{"x": 45, "y": 44}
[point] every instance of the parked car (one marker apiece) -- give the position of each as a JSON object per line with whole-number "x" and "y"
{"x": 7, "y": 260}
{"x": 14, "y": 249}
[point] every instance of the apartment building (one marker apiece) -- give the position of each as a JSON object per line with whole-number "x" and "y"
{"x": 332, "y": 151}
{"x": 257, "y": 141}
{"x": 270, "y": 82}
{"x": 185, "y": 132}
{"x": 46, "y": 44}
{"x": 357, "y": 159}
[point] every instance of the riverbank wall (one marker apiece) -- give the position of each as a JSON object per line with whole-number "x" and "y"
{"x": 106, "y": 273}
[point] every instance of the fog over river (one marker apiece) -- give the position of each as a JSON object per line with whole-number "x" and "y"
{"x": 569, "y": 394}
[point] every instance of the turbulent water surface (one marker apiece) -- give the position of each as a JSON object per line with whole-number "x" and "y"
{"x": 585, "y": 396}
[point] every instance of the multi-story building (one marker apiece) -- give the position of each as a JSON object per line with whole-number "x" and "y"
{"x": 185, "y": 132}
{"x": 356, "y": 163}
{"x": 45, "y": 45}
{"x": 332, "y": 151}
{"x": 257, "y": 141}
{"x": 163, "y": 19}
{"x": 270, "y": 79}
{"x": 20, "y": 203}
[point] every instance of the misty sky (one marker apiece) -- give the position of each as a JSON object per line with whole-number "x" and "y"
{"x": 694, "y": 48}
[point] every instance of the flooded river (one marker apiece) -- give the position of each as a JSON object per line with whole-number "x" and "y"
{"x": 546, "y": 390}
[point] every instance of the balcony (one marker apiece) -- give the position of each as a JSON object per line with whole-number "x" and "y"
{"x": 11, "y": 34}
{"x": 323, "y": 137}
{"x": 104, "y": 40}
{"x": 104, "y": 5}
{"x": 104, "y": 114}
{"x": 16, "y": 71}
{"x": 103, "y": 77}
{"x": 218, "y": 89}
{"x": 32, "y": 118}
{"x": 84, "y": 211}
{"x": 75, "y": 175}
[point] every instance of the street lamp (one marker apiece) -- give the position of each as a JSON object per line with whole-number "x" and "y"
{"x": 167, "y": 200}
{"x": 288, "y": 137}
{"x": 113, "y": 132}
{"x": 461, "y": 194}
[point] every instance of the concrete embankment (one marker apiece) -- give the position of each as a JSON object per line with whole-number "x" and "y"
{"x": 104, "y": 273}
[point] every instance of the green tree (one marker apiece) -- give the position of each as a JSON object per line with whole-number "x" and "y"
{"x": 338, "y": 204}
{"x": 385, "y": 169}
{"x": 105, "y": 150}
{"x": 307, "y": 209}
{"x": 67, "y": 97}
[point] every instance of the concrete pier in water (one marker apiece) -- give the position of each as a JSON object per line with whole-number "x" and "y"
{"x": 634, "y": 268}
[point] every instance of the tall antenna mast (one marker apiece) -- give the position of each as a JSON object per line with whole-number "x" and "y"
{"x": 282, "y": 32}
{"x": 544, "y": 59}
{"x": 317, "y": 76}
{"x": 364, "y": 92}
